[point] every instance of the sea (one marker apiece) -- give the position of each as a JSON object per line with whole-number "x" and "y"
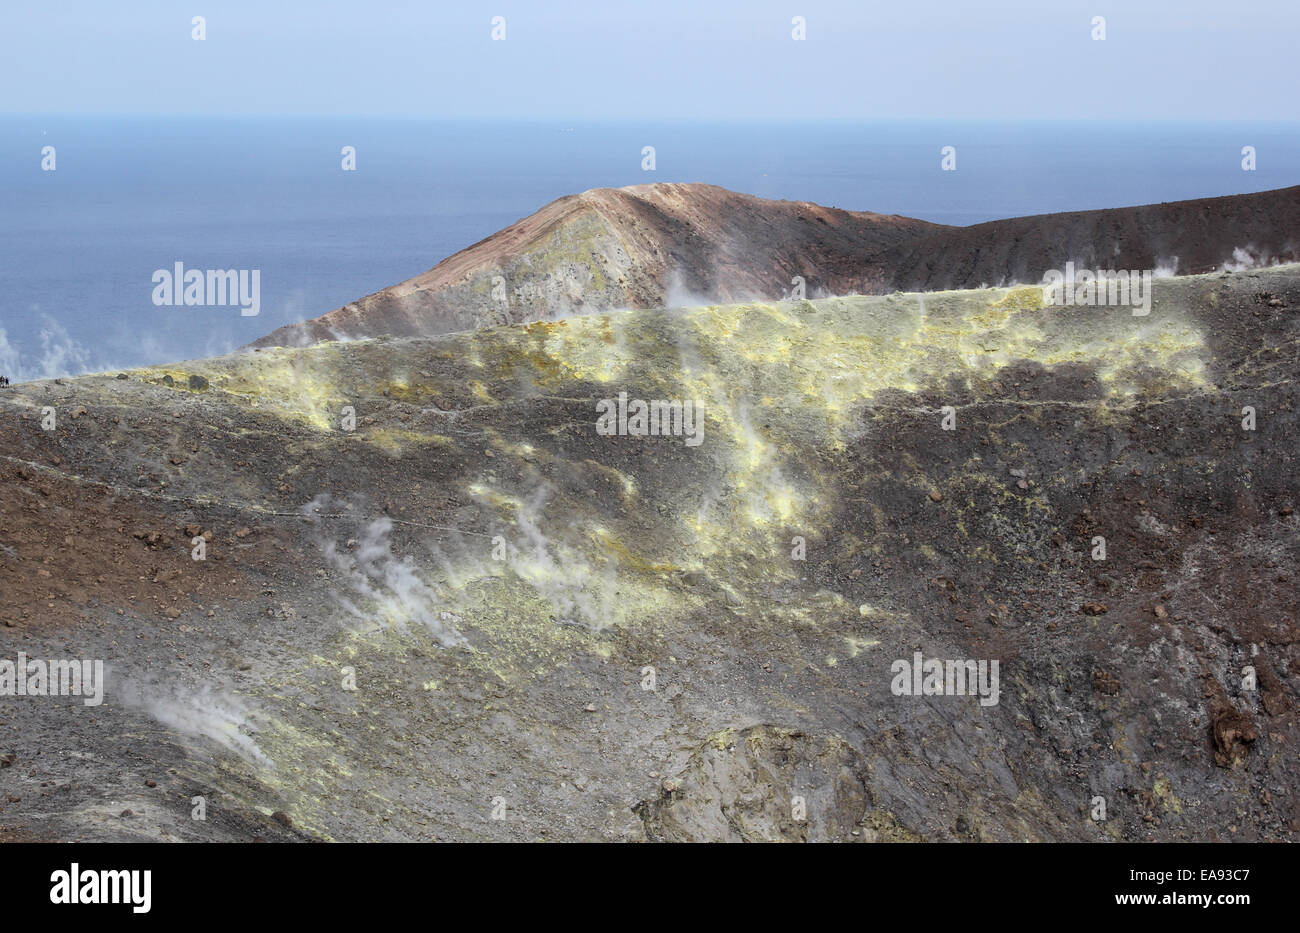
{"x": 93, "y": 207}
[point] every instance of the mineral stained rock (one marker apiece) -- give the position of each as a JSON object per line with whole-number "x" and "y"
{"x": 436, "y": 603}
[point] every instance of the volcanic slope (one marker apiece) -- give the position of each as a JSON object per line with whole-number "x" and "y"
{"x": 672, "y": 245}
{"x": 433, "y": 595}
{"x": 635, "y": 247}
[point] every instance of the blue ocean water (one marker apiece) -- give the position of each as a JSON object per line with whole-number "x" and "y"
{"x": 131, "y": 195}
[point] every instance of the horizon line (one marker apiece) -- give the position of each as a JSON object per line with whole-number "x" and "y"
{"x": 587, "y": 120}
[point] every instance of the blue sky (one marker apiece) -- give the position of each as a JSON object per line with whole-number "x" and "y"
{"x": 669, "y": 59}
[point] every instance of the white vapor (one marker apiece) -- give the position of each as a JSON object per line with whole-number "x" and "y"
{"x": 60, "y": 355}
{"x": 204, "y": 713}
{"x": 382, "y": 589}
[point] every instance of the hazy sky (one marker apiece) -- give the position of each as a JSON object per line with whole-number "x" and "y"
{"x": 668, "y": 59}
